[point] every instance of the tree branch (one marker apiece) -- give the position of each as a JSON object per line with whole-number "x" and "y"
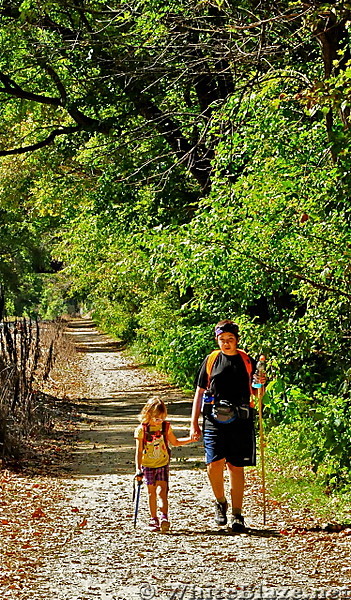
{"x": 56, "y": 79}
{"x": 43, "y": 143}
{"x": 84, "y": 121}
{"x": 13, "y": 89}
{"x": 293, "y": 275}
{"x": 186, "y": 153}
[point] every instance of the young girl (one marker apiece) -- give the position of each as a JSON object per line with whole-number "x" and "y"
{"x": 152, "y": 458}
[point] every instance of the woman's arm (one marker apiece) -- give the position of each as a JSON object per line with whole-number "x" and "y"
{"x": 195, "y": 431}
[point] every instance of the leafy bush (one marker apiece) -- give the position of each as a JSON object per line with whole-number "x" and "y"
{"x": 169, "y": 343}
{"x": 291, "y": 478}
{"x": 318, "y": 430}
{"x": 115, "y": 318}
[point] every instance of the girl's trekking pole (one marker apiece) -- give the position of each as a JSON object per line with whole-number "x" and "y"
{"x": 136, "y": 498}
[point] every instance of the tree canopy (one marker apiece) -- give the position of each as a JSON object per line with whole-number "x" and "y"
{"x": 169, "y": 166}
{"x": 136, "y": 72}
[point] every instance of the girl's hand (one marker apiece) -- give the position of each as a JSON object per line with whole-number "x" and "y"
{"x": 139, "y": 476}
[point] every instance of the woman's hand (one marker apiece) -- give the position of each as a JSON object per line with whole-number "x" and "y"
{"x": 260, "y": 379}
{"x": 195, "y": 433}
{"x": 139, "y": 476}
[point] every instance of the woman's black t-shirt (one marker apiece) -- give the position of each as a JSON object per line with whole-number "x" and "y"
{"x": 229, "y": 379}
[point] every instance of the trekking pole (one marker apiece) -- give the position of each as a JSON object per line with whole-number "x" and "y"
{"x": 136, "y": 498}
{"x": 260, "y": 371}
{"x": 260, "y": 420}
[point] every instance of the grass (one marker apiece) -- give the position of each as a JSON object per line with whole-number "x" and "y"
{"x": 291, "y": 480}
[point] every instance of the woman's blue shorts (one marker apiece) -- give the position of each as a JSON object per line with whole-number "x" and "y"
{"x": 236, "y": 442}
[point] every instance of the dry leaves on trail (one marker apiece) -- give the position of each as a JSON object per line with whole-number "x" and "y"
{"x": 31, "y": 517}
{"x": 31, "y": 522}
{"x": 30, "y": 503}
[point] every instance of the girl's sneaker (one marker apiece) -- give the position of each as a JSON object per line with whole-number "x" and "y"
{"x": 164, "y": 523}
{"x": 154, "y": 524}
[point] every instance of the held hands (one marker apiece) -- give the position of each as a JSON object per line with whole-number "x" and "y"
{"x": 195, "y": 433}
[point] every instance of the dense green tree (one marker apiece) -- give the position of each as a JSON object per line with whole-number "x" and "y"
{"x": 132, "y": 70}
{"x": 168, "y": 166}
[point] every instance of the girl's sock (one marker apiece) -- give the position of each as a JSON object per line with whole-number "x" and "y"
{"x": 221, "y": 500}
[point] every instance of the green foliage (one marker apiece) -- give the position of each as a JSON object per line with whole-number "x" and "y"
{"x": 290, "y": 476}
{"x": 332, "y": 449}
{"x": 318, "y": 427}
{"x": 204, "y": 179}
{"x": 169, "y": 342}
{"x": 115, "y": 318}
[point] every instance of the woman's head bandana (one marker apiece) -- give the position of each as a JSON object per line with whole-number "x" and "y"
{"x": 227, "y": 328}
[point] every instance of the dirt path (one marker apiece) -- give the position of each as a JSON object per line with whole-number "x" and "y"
{"x": 101, "y": 556}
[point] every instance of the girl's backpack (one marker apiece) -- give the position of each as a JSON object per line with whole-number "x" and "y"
{"x": 164, "y": 432}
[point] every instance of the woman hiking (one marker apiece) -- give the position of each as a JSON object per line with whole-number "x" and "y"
{"x": 152, "y": 457}
{"x": 224, "y": 391}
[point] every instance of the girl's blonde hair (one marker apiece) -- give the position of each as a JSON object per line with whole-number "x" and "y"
{"x": 155, "y": 407}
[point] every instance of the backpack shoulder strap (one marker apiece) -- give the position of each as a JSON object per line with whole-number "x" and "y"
{"x": 165, "y": 430}
{"x": 248, "y": 365}
{"x": 145, "y": 432}
{"x": 209, "y": 364}
{"x": 246, "y": 359}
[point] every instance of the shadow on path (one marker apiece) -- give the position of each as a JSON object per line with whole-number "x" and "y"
{"x": 107, "y": 418}
{"x": 262, "y": 533}
{"x": 88, "y": 339}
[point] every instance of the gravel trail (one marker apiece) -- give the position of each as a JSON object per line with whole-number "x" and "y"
{"x": 99, "y": 555}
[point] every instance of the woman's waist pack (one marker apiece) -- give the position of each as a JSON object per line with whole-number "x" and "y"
{"x": 224, "y": 411}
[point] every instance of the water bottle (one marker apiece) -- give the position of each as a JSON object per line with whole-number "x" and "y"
{"x": 260, "y": 370}
{"x": 207, "y": 403}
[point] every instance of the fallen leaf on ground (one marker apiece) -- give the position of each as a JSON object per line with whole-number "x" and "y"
{"x": 38, "y": 513}
{"x": 83, "y": 523}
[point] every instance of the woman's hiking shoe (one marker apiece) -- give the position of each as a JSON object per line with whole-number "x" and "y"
{"x": 238, "y": 524}
{"x": 221, "y": 513}
{"x": 164, "y": 524}
{"x": 154, "y": 524}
